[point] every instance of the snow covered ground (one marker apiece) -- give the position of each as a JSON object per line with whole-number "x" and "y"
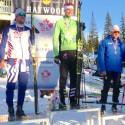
{"x": 93, "y": 85}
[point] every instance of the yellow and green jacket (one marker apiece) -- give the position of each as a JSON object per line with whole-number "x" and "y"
{"x": 68, "y": 38}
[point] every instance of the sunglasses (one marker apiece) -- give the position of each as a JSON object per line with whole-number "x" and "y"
{"x": 22, "y": 14}
{"x": 116, "y": 32}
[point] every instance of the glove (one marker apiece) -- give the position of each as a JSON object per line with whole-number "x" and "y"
{"x": 83, "y": 26}
{"x": 57, "y": 60}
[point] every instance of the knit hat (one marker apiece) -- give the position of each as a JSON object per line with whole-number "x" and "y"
{"x": 115, "y": 28}
{"x": 19, "y": 10}
{"x": 68, "y": 5}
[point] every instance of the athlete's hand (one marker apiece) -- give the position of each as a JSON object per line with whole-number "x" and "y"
{"x": 35, "y": 58}
{"x": 2, "y": 64}
{"x": 57, "y": 60}
{"x": 83, "y": 26}
{"x": 104, "y": 73}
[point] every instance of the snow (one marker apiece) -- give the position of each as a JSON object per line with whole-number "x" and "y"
{"x": 92, "y": 85}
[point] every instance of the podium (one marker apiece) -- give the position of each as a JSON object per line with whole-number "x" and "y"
{"x": 111, "y": 117}
{"x": 91, "y": 113}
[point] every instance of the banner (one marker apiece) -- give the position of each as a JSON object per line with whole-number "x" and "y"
{"x": 48, "y": 71}
{"x": 43, "y": 7}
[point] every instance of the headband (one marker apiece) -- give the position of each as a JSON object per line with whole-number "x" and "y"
{"x": 68, "y": 6}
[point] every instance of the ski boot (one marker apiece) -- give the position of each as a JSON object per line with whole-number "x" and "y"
{"x": 103, "y": 110}
{"x": 114, "y": 110}
{"x": 62, "y": 106}
{"x": 20, "y": 113}
{"x": 73, "y": 105}
{"x": 11, "y": 116}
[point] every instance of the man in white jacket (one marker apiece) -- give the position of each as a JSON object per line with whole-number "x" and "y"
{"x": 16, "y": 42}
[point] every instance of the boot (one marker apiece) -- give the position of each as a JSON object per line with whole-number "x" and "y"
{"x": 20, "y": 113}
{"x": 114, "y": 109}
{"x": 103, "y": 110}
{"x": 62, "y": 105}
{"x": 73, "y": 104}
{"x": 11, "y": 115}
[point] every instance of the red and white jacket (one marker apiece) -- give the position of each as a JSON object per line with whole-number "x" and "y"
{"x": 16, "y": 42}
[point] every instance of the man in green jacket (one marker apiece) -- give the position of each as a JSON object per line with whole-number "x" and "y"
{"x": 65, "y": 46}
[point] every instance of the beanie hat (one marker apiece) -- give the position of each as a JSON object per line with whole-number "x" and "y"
{"x": 115, "y": 28}
{"x": 19, "y": 10}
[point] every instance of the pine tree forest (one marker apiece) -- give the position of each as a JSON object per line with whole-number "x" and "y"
{"x": 91, "y": 42}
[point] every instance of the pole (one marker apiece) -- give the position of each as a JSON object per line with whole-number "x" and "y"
{"x": 34, "y": 63}
{"x": 79, "y": 54}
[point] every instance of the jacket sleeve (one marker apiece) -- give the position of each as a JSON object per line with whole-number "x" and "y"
{"x": 123, "y": 52}
{"x": 3, "y": 43}
{"x": 101, "y": 56}
{"x": 56, "y": 39}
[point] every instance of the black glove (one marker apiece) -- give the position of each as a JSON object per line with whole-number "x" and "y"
{"x": 57, "y": 60}
{"x": 83, "y": 26}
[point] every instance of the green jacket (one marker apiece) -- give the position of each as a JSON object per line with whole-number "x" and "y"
{"x": 68, "y": 37}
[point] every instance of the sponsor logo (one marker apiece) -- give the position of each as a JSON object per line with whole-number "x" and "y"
{"x": 46, "y": 45}
{"x": 46, "y": 25}
{"x": 46, "y": 10}
{"x": 47, "y": 62}
{"x": 45, "y": 75}
{"x": 44, "y": 49}
{"x": 17, "y": 34}
{"x": 46, "y": 2}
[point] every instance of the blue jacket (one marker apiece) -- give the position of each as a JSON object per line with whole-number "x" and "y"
{"x": 107, "y": 59}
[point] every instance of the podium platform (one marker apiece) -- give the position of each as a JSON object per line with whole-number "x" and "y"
{"x": 40, "y": 119}
{"x": 111, "y": 117}
{"x": 91, "y": 113}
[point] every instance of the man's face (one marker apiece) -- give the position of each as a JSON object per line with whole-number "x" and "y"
{"x": 116, "y": 34}
{"x": 69, "y": 12}
{"x": 20, "y": 18}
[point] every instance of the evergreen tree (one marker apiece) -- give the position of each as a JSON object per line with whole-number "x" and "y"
{"x": 108, "y": 25}
{"x": 86, "y": 45}
{"x": 84, "y": 41}
{"x": 122, "y": 28}
{"x": 93, "y": 42}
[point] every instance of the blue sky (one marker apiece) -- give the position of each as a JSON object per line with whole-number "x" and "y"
{"x": 100, "y": 8}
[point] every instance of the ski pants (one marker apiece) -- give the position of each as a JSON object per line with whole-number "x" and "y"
{"x": 68, "y": 65}
{"x": 107, "y": 83}
{"x": 17, "y": 71}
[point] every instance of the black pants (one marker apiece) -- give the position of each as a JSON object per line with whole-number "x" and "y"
{"x": 68, "y": 65}
{"x": 107, "y": 83}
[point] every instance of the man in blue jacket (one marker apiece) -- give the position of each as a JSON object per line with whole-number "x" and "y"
{"x": 110, "y": 66}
